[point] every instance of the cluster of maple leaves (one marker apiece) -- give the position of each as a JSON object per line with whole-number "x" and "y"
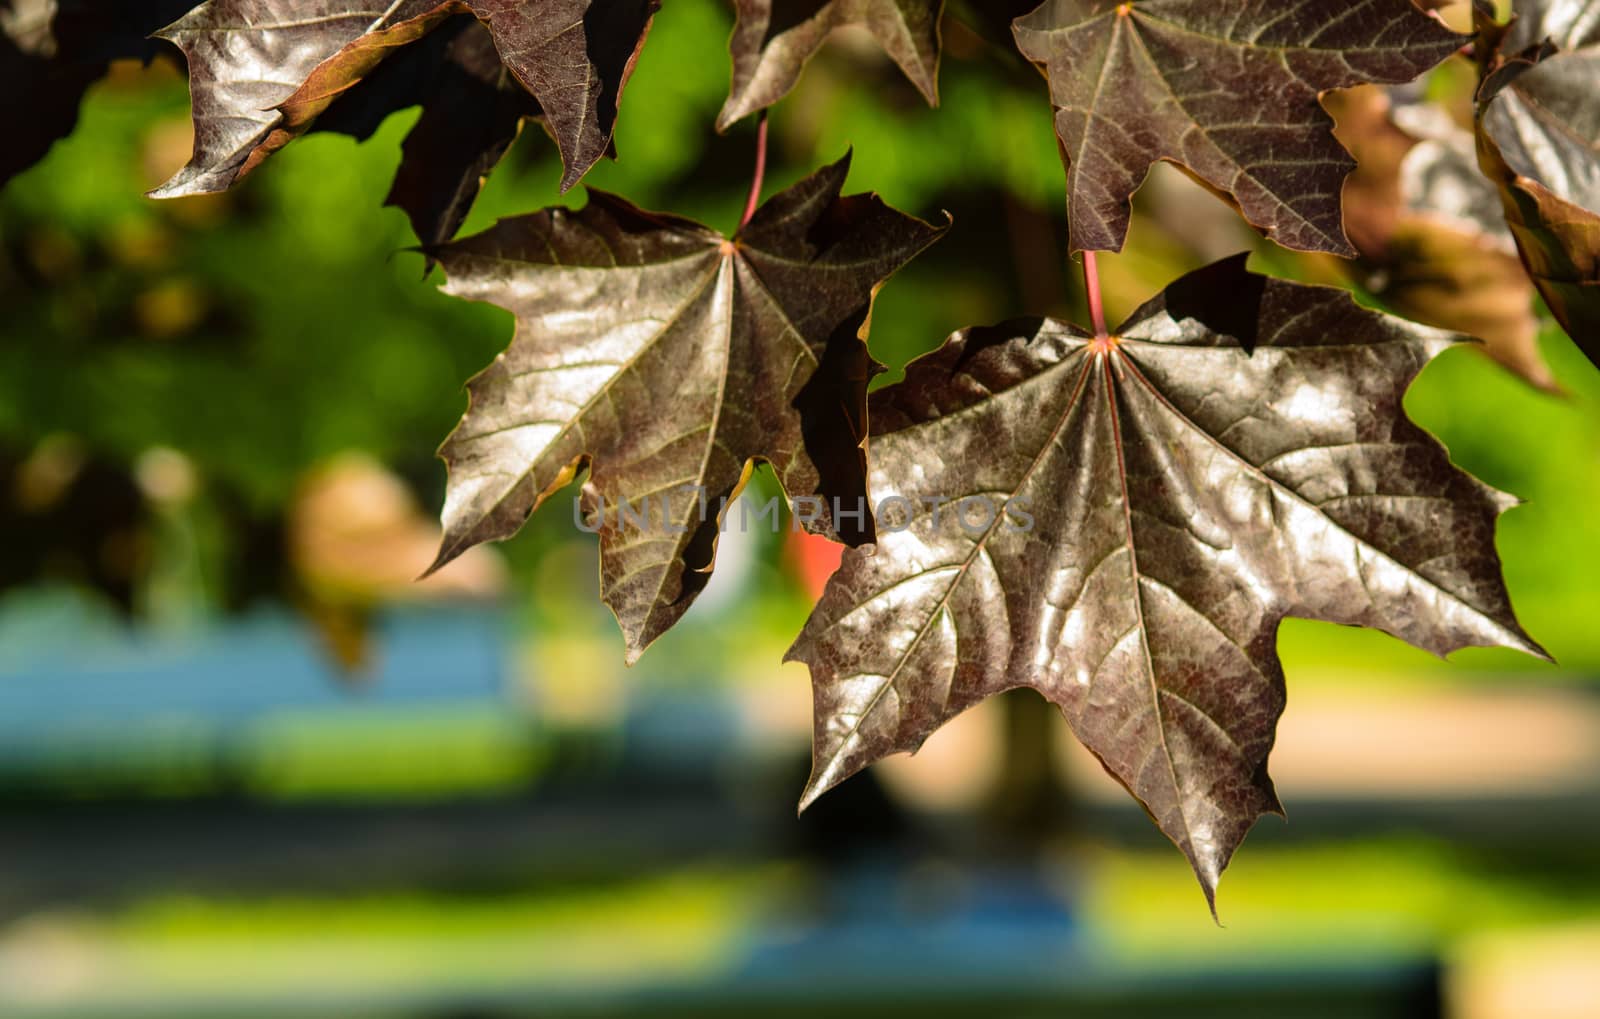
{"x": 1234, "y": 454}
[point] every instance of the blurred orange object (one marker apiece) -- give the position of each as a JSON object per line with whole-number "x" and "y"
{"x": 813, "y": 559}
{"x": 358, "y": 541}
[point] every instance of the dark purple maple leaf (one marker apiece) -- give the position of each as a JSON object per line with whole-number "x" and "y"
{"x": 1226, "y": 90}
{"x": 1122, "y": 523}
{"x": 668, "y": 360}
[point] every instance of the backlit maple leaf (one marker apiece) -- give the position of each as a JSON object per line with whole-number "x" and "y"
{"x": 1122, "y": 524}
{"x": 1227, "y": 90}
{"x": 669, "y": 360}
{"x": 262, "y": 71}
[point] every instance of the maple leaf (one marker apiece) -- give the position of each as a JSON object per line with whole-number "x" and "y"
{"x": 669, "y": 360}
{"x": 51, "y": 52}
{"x": 774, "y": 39}
{"x": 1141, "y": 513}
{"x": 1227, "y": 91}
{"x": 262, "y": 71}
{"x": 1539, "y": 140}
{"x": 246, "y": 57}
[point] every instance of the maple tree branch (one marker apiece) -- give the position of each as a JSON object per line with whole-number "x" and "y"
{"x": 760, "y": 174}
{"x": 1097, "y": 308}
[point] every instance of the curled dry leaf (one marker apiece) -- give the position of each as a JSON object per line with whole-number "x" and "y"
{"x": 774, "y": 39}
{"x": 262, "y": 71}
{"x": 669, "y": 360}
{"x": 1433, "y": 245}
{"x": 1444, "y": 277}
{"x": 1140, "y": 514}
{"x": 1228, "y": 91}
{"x": 1539, "y": 140}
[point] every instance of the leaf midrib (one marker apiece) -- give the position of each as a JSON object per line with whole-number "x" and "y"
{"x": 715, "y": 265}
{"x": 978, "y": 549}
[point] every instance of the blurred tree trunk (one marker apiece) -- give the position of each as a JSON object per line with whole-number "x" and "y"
{"x": 1030, "y": 804}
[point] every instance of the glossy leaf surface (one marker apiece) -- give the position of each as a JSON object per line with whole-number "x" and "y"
{"x": 261, "y": 71}
{"x": 247, "y": 56}
{"x": 1228, "y": 91}
{"x": 1236, "y": 455}
{"x": 668, "y": 360}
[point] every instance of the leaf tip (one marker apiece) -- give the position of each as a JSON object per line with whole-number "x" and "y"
{"x": 798, "y": 652}
{"x": 1208, "y": 887}
{"x": 1528, "y": 646}
{"x": 574, "y": 170}
{"x": 448, "y": 554}
{"x": 429, "y": 253}
{"x": 175, "y": 187}
{"x": 812, "y": 793}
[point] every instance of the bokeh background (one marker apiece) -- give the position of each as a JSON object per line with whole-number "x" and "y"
{"x": 248, "y": 768}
